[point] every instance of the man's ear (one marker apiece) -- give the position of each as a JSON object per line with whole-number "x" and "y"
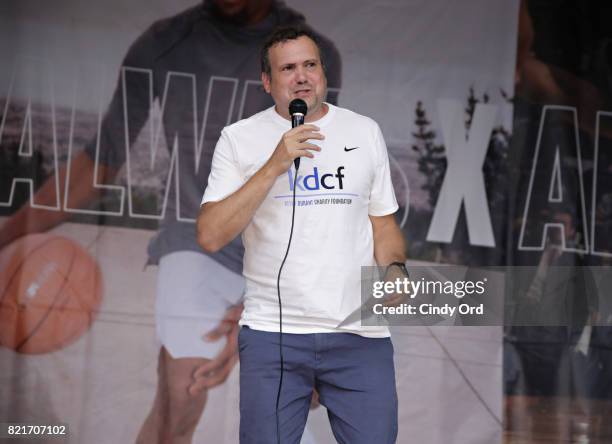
{"x": 265, "y": 79}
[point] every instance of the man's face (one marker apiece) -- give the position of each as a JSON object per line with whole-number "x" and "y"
{"x": 229, "y": 8}
{"x": 242, "y": 12}
{"x": 296, "y": 73}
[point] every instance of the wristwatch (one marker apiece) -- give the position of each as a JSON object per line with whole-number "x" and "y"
{"x": 401, "y": 266}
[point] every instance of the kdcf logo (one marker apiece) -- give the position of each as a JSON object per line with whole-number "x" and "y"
{"x": 314, "y": 182}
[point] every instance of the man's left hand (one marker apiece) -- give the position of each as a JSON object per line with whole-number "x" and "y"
{"x": 217, "y": 370}
{"x": 396, "y": 298}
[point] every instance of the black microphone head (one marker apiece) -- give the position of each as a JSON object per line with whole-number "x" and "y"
{"x": 298, "y": 106}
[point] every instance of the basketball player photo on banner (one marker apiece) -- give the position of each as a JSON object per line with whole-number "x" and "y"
{"x": 116, "y": 324}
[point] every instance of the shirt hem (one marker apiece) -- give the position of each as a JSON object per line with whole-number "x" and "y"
{"x": 376, "y": 332}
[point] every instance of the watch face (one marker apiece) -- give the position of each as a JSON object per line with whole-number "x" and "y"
{"x": 400, "y": 265}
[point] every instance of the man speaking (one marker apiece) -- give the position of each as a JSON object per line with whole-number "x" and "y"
{"x": 343, "y": 219}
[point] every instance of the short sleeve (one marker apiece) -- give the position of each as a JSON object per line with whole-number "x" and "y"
{"x": 382, "y": 196}
{"x": 225, "y": 177}
{"x": 130, "y": 105}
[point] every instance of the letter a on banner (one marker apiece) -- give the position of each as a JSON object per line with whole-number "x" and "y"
{"x": 29, "y": 109}
{"x": 556, "y": 191}
{"x": 601, "y": 244}
{"x": 464, "y": 181}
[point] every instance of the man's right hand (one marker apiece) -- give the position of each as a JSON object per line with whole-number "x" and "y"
{"x": 293, "y": 144}
{"x": 220, "y": 222}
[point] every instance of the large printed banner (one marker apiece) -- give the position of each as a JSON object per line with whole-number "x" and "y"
{"x": 558, "y": 217}
{"x": 110, "y": 112}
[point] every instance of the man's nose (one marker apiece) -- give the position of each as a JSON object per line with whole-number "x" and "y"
{"x": 300, "y": 74}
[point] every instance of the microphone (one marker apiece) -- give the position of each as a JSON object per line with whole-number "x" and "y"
{"x": 297, "y": 111}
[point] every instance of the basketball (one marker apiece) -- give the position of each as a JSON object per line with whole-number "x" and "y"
{"x": 50, "y": 292}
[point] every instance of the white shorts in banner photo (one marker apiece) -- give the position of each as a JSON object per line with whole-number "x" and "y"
{"x": 193, "y": 294}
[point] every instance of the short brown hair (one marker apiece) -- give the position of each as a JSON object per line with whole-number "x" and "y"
{"x": 281, "y": 35}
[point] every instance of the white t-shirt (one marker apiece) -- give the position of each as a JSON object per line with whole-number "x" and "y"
{"x": 346, "y": 181}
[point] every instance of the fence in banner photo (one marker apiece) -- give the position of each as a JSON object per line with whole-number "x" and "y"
{"x": 232, "y": 221}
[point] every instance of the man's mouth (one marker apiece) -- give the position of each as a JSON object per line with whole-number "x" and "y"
{"x": 302, "y": 92}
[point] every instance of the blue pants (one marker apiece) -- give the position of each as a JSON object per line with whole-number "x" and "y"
{"x": 354, "y": 376}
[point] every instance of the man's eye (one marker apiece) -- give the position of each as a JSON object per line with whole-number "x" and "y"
{"x": 287, "y": 68}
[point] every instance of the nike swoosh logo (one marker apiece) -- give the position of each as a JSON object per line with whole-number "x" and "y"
{"x": 350, "y": 149}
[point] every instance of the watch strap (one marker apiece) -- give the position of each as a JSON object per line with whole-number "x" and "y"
{"x": 401, "y": 265}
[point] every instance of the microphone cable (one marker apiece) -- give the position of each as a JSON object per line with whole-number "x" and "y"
{"x": 297, "y": 110}
{"x": 280, "y": 308}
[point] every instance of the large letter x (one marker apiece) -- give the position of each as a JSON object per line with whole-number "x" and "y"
{"x": 464, "y": 181}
